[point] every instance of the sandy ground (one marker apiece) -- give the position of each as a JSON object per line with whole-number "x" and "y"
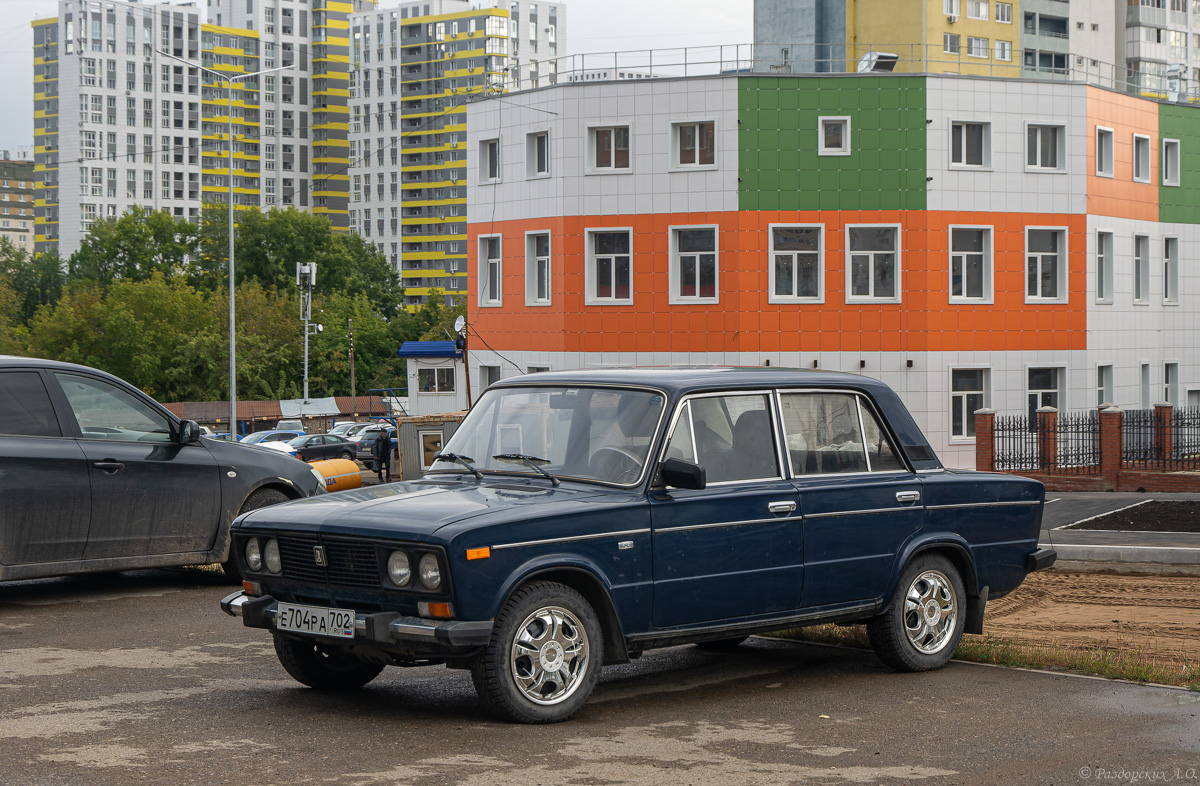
{"x": 1155, "y": 614}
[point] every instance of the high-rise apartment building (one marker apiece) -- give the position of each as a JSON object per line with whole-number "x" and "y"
{"x": 16, "y": 203}
{"x": 413, "y": 70}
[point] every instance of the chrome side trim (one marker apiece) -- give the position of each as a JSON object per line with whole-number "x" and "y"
{"x": 906, "y": 508}
{"x": 728, "y": 524}
{"x": 571, "y": 539}
{"x": 982, "y": 504}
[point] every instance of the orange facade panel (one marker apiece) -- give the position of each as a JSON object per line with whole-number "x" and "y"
{"x": 1115, "y": 192}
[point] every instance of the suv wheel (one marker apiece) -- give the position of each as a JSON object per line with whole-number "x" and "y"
{"x": 924, "y": 622}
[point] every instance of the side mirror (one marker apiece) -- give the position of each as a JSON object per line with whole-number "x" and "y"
{"x": 683, "y": 474}
{"x": 189, "y": 432}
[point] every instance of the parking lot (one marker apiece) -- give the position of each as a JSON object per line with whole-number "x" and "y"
{"x": 139, "y": 678}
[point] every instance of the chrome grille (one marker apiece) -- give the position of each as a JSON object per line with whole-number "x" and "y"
{"x": 347, "y": 563}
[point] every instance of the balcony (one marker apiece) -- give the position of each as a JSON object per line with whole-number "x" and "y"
{"x": 1144, "y": 15}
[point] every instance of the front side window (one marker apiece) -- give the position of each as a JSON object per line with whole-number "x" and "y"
{"x": 1045, "y": 148}
{"x": 967, "y": 391}
{"x": 435, "y": 380}
{"x": 796, "y": 271}
{"x": 695, "y": 264}
{"x": 834, "y": 136}
{"x": 827, "y": 433}
{"x": 696, "y": 144}
{"x": 537, "y": 269}
{"x": 1045, "y": 272}
{"x": 730, "y": 436}
{"x": 490, "y": 271}
{"x": 105, "y": 411}
{"x": 970, "y": 263}
{"x": 611, "y": 267}
{"x": 970, "y": 144}
{"x": 1141, "y": 158}
{"x": 610, "y": 147}
{"x": 874, "y": 268}
{"x": 25, "y": 408}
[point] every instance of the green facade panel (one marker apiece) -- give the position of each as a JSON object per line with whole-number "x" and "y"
{"x": 780, "y": 169}
{"x": 1181, "y": 204}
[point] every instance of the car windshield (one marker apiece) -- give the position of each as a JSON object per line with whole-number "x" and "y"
{"x": 601, "y": 434}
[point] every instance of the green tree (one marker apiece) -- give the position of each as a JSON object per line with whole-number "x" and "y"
{"x": 36, "y": 280}
{"x": 134, "y": 247}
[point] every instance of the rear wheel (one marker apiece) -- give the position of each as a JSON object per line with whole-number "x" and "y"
{"x": 321, "y": 667}
{"x": 345, "y": 454}
{"x": 923, "y": 624}
{"x": 259, "y": 499}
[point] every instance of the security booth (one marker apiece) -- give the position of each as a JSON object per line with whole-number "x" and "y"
{"x": 420, "y": 438}
{"x": 436, "y": 376}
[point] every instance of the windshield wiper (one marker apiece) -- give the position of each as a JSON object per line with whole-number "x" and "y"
{"x": 530, "y": 461}
{"x": 463, "y": 460}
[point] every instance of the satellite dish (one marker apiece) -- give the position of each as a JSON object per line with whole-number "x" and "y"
{"x": 459, "y": 324}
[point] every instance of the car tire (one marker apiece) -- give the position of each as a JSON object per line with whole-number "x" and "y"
{"x": 260, "y": 498}
{"x": 321, "y": 667}
{"x": 544, "y": 657}
{"x": 923, "y": 623}
{"x": 345, "y": 454}
{"x": 722, "y": 645}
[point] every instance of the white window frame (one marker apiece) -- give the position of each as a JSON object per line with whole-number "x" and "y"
{"x": 1063, "y": 265}
{"x": 950, "y": 7}
{"x": 946, "y": 38}
{"x": 1003, "y": 50}
{"x": 676, "y": 148}
{"x": 484, "y": 265}
{"x": 971, "y": 4}
{"x": 1148, "y": 176}
{"x": 674, "y": 297}
{"x": 1145, "y": 386}
{"x": 590, "y": 167}
{"x": 964, "y": 439}
{"x": 772, "y": 297}
{"x": 590, "y": 298}
{"x": 1171, "y": 382}
{"x": 1104, "y": 164}
{"x": 532, "y": 262}
{"x": 988, "y": 264}
{"x": 1141, "y": 271}
{"x": 1170, "y": 167}
{"x": 986, "y": 164}
{"x": 1171, "y": 271}
{"x": 1007, "y": 13}
{"x": 850, "y": 298}
{"x": 987, "y": 47}
{"x": 828, "y": 151}
{"x": 1105, "y": 388}
{"x": 1061, "y": 151}
{"x": 1104, "y": 274}
{"x": 1061, "y": 389}
{"x": 486, "y": 161}
{"x": 531, "y": 154}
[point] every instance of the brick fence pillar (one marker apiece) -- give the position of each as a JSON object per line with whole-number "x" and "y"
{"x": 1163, "y": 431}
{"x": 985, "y": 440}
{"x": 1111, "y": 446}
{"x": 1047, "y": 429}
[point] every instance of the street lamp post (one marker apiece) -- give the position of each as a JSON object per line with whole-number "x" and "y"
{"x": 229, "y": 80}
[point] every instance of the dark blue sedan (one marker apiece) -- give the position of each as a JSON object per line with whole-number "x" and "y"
{"x": 576, "y": 519}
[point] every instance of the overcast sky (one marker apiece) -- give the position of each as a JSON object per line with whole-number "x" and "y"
{"x": 592, "y": 26}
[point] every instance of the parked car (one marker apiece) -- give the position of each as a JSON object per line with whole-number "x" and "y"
{"x": 578, "y": 519}
{"x": 271, "y": 435}
{"x": 290, "y": 425}
{"x": 225, "y": 436}
{"x": 365, "y": 438}
{"x": 316, "y": 447}
{"x": 100, "y": 477}
{"x": 347, "y": 429}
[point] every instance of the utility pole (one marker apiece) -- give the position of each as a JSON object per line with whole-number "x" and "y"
{"x": 306, "y": 281}
{"x": 353, "y": 391}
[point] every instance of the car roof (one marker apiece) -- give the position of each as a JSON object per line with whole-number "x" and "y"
{"x": 680, "y": 380}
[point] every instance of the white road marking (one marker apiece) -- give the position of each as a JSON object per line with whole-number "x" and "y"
{"x": 1106, "y": 513}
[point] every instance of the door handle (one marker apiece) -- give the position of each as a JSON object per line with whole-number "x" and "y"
{"x": 782, "y": 507}
{"x": 109, "y": 466}
{"x": 908, "y": 496}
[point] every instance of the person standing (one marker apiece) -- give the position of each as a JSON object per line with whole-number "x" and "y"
{"x": 381, "y": 451}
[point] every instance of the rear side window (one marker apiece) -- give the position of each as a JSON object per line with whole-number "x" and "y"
{"x": 25, "y": 408}
{"x": 830, "y": 433}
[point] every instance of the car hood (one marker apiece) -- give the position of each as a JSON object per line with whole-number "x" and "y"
{"x": 417, "y": 508}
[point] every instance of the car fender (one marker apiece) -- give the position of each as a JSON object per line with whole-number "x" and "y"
{"x": 220, "y": 550}
{"x": 930, "y": 541}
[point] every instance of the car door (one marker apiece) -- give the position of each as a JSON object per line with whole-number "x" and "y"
{"x": 45, "y": 492}
{"x": 150, "y": 495}
{"x": 732, "y": 549}
{"x": 860, "y": 501}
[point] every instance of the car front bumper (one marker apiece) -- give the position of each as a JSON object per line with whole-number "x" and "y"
{"x": 386, "y": 630}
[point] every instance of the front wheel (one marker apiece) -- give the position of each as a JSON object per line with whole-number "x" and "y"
{"x": 544, "y": 657}
{"x": 323, "y": 668}
{"x": 345, "y": 454}
{"x": 924, "y": 622}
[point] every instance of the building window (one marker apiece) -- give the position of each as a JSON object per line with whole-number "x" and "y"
{"x": 1045, "y": 148}
{"x": 1104, "y": 267}
{"x": 537, "y": 269}
{"x": 490, "y": 272}
{"x": 977, "y": 9}
{"x": 489, "y": 160}
{"x": 833, "y": 136}
{"x": 1171, "y": 383}
{"x": 970, "y": 144}
{"x": 874, "y": 269}
{"x": 977, "y": 47}
{"x": 1170, "y": 162}
{"x": 537, "y": 154}
{"x": 1043, "y": 390}
{"x": 1004, "y": 50}
{"x": 796, "y": 269}
{"x": 1141, "y": 158}
{"x": 950, "y": 7}
{"x": 435, "y": 380}
{"x": 1104, "y": 385}
{"x": 610, "y": 148}
{"x": 971, "y": 263}
{"x": 609, "y": 268}
{"x": 1046, "y": 268}
{"x": 488, "y": 376}
{"x": 1104, "y": 152}
{"x": 695, "y": 144}
{"x": 1141, "y": 268}
{"x": 1145, "y": 385}
{"x": 1171, "y": 270}
{"x": 968, "y": 389}
{"x": 1004, "y": 13}
{"x": 693, "y": 265}
{"x": 950, "y": 43}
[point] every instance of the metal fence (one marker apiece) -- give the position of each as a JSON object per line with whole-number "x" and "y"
{"x": 1150, "y": 441}
{"x": 1078, "y": 443}
{"x": 1070, "y": 447}
{"x": 1016, "y": 444}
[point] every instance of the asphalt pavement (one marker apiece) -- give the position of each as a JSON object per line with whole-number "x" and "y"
{"x": 1145, "y": 552}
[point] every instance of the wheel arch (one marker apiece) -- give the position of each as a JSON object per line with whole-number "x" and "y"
{"x": 956, "y": 550}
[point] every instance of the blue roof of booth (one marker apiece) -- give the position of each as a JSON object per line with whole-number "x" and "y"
{"x": 429, "y": 349}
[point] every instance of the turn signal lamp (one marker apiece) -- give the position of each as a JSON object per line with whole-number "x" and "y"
{"x": 436, "y": 610}
{"x": 482, "y": 553}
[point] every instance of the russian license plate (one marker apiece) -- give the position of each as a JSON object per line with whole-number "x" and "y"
{"x": 315, "y": 620}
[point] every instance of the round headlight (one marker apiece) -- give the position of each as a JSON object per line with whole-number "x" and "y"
{"x": 253, "y": 555}
{"x": 431, "y": 572}
{"x": 399, "y": 571}
{"x": 271, "y": 556}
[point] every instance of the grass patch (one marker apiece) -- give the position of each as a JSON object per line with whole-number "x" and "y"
{"x": 1136, "y": 664}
